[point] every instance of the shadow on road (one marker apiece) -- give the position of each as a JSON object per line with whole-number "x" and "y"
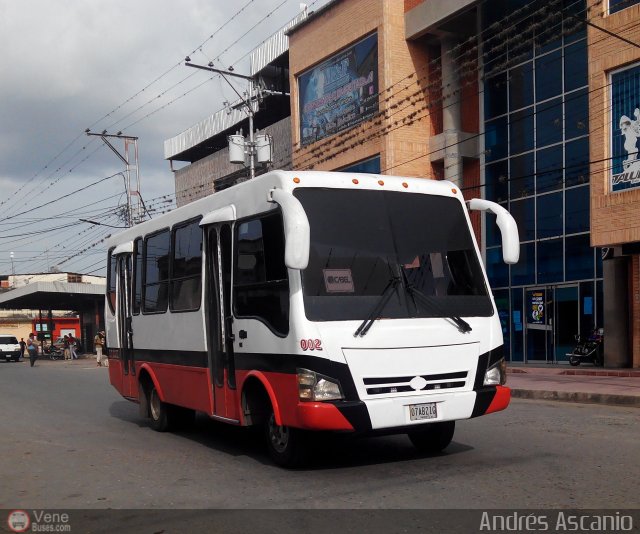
{"x": 329, "y": 451}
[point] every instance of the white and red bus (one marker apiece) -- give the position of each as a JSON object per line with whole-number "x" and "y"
{"x": 307, "y": 302}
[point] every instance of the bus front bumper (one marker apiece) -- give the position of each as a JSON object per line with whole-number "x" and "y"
{"x": 394, "y": 415}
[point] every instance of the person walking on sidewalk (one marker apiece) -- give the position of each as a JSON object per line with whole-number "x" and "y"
{"x": 67, "y": 352}
{"x": 32, "y": 349}
{"x": 98, "y": 342}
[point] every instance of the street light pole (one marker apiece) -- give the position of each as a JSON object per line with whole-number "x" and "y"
{"x": 247, "y": 103}
{"x": 13, "y": 270}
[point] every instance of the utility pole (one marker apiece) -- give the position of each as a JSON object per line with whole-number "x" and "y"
{"x": 253, "y": 96}
{"x": 13, "y": 270}
{"x": 134, "y": 212}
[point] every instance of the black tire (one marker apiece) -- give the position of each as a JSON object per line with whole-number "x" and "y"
{"x": 288, "y": 447}
{"x": 158, "y": 412}
{"x": 574, "y": 361}
{"x": 434, "y": 437}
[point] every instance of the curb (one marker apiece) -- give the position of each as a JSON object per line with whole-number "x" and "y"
{"x": 629, "y": 401}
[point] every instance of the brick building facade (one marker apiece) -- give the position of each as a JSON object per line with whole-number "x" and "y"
{"x": 615, "y": 214}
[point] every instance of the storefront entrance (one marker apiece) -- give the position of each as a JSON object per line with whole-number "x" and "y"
{"x": 552, "y": 319}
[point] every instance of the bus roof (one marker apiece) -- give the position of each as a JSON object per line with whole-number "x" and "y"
{"x": 251, "y": 197}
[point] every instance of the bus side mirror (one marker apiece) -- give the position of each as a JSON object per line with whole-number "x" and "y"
{"x": 507, "y": 225}
{"x": 296, "y": 229}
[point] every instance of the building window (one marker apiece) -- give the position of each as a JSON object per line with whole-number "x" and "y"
{"x": 156, "y": 272}
{"x": 371, "y": 166}
{"x": 261, "y": 283}
{"x": 577, "y": 210}
{"x": 619, "y": 5}
{"x": 550, "y": 217}
{"x": 73, "y": 278}
{"x": 550, "y": 257}
{"x": 186, "y": 267}
{"x": 579, "y": 257}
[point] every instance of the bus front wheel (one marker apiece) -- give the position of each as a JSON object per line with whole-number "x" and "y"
{"x": 287, "y": 446}
{"x": 434, "y": 437}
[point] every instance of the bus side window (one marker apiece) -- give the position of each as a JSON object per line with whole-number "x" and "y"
{"x": 137, "y": 275}
{"x": 186, "y": 268}
{"x": 156, "y": 272}
{"x": 261, "y": 284}
{"x": 111, "y": 282}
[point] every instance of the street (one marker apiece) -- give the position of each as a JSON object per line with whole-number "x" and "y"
{"x": 70, "y": 441}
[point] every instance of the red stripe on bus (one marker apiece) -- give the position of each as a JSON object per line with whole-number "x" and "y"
{"x": 181, "y": 385}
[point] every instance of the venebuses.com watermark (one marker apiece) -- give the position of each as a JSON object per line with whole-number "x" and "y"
{"x": 38, "y": 521}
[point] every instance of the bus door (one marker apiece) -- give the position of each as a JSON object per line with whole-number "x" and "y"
{"x": 219, "y": 320}
{"x": 125, "y": 333}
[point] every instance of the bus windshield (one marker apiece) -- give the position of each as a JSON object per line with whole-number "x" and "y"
{"x": 366, "y": 244}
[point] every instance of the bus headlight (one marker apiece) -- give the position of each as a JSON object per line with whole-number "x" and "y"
{"x": 315, "y": 387}
{"x": 496, "y": 375}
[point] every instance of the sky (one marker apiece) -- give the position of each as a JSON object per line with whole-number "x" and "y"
{"x": 114, "y": 65}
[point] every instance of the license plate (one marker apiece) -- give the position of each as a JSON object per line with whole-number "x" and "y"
{"x": 418, "y": 412}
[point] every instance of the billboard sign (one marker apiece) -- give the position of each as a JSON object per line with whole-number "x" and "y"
{"x": 625, "y": 129}
{"x": 340, "y": 92}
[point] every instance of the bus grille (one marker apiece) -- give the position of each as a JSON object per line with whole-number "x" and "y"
{"x": 400, "y": 384}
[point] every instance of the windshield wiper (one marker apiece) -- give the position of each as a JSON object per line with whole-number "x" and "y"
{"x": 462, "y": 325}
{"x": 377, "y": 310}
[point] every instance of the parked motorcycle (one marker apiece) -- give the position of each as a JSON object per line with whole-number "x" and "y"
{"x": 53, "y": 352}
{"x": 588, "y": 349}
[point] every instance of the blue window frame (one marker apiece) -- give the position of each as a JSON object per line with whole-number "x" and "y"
{"x": 521, "y": 131}
{"x": 549, "y": 76}
{"x": 522, "y": 176}
{"x": 497, "y": 269}
{"x": 497, "y": 182}
{"x": 576, "y": 114}
{"x": 495, "y": 96}
{"x": 523, "y": 211}
{"x": 575, "y": 66}
{"x": 549, "y": 122}
{"x": 579, "y": 257}
{"x": 577, "y": 210}
{"x": 550, "y": 215}
{"x": 521, "y": 86}
{"x": 577, "y": 162}
{"x": 550, "y": 268}
{"x": 549, "y": 171}
{"x": 496, "y": 139}
{"x": 524, "y": 272}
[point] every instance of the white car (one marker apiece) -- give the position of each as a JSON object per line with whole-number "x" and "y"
{"x": 9, "y": 347}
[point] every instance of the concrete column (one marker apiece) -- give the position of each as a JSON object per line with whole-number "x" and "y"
{"x": 451, "y": 123}
{"x": 616, "y": 313}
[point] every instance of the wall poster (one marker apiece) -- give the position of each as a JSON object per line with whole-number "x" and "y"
{"x": 625, "y": 129}
{"x": 340, "y": 92}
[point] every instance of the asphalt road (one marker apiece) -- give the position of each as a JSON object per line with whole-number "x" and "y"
{"x": 68, "y": 440}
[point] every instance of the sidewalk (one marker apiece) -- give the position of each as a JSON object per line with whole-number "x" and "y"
{"x": 585, "y": 383}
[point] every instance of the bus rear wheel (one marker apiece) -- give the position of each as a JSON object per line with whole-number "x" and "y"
{"x": 287, "y": 446}
{"x": 159, "y": 412}
{"x": 434, "y": 437}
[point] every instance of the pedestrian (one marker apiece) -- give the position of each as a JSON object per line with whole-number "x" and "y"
{"x": 98, "y": 342}
{"x": 23, "y": 347}
{"x": 67, "y": 352}
{"x": 32, "y": 349}
{"x": 72, "y": 347}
